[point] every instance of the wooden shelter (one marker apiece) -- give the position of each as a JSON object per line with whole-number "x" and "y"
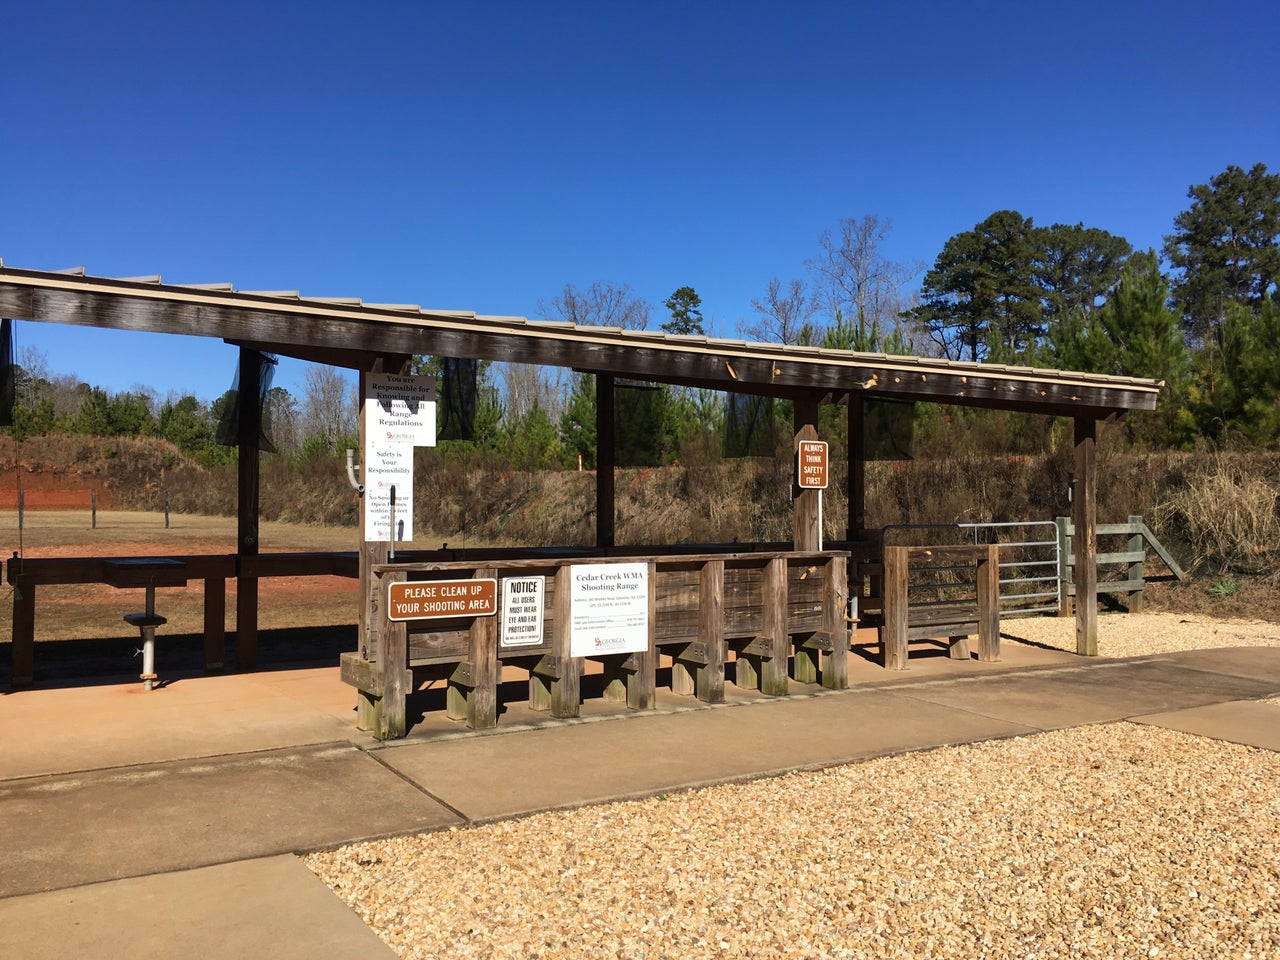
{"x": 373, "y": 337}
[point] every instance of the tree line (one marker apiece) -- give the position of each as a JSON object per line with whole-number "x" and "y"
{"x": 1201, "y": 314}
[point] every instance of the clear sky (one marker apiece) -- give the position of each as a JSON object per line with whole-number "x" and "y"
{"x": 480, "y": 155}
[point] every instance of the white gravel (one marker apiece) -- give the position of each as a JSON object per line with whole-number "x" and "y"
{"x": 1117, "y": 840}
{"x": 1137, "y": 635}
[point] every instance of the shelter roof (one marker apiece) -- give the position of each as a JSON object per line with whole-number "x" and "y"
{"x": 349, "y": 332}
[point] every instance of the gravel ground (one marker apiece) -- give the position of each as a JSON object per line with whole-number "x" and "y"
{"x": 1106, "y": 841}
{"x": 1117, "y": 840}
{"x": 1137, "y": 635}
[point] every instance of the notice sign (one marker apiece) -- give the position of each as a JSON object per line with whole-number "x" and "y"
{"x": 400, "y": 409}
{"x": 522, "y": 603}
{"x": 429, "y": 599}
{"x": 609, "y": 608}
{"x": 812, "y": 472}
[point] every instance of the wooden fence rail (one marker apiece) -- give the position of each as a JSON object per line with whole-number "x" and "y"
{"x": 1130, "y": 561}
{"x": 770, "y": 609}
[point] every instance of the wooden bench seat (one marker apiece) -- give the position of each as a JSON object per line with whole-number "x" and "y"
{"x": 955, "y": 622}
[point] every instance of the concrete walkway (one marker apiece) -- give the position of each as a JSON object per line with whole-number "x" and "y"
{"x": 163, "y": 824}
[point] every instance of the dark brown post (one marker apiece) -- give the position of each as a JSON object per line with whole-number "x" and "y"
{"x": 215, "y": 622}
{"x": 604, "y": 462}
{"x": 807, "y": 532}
{"x": 248, "y": 430}
{"x": 857, "y": 468}
{"x": 1084, "y": 516}
{"x": 23, "y": 653}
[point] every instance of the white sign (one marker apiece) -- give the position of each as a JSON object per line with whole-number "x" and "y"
{"x": 400, "y": 409}
{"x": 522, "y": 603}
{"x": 387, "y": 465}
{"x": 609, "y": 608}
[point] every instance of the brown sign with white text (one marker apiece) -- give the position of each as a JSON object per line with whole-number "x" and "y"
{"x": 811, "y": 468}
{"x": 432, "y": 599}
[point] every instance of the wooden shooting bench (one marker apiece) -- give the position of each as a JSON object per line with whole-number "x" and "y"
{"x": 973, "y": 607}
{"x": 26, "y": 574}
{"x": 771, "y": 609}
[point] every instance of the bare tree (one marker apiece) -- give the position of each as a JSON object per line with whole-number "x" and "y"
{"x": 859, "y": 289}
{"x": 783, "y": 317}
{"x": 603, "y": 304}
{"x": 329, "y": 405}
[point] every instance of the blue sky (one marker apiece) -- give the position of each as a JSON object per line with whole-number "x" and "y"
{"x": 481, "y": 155}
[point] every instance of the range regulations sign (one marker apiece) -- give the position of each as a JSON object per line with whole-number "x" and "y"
{"x": 433, "y": 599}
{"x": 811, "y": 465}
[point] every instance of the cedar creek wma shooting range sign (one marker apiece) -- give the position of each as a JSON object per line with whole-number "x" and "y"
{"x": 812, "y": 465}
{"x": 399, "y": 414}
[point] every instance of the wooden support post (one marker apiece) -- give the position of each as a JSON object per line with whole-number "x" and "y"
{"x": 710, "y": 676}
{"x": 604, "y": 462}
{"x": 393, "y": 666}
{"x": 248, "y": 431}
{"x": 806, "y": 527}
{"x": 1135, "y": 573}
{"x": 683, "y": 676}
{"x": 642, "y": 679}
{"x": 615, "y": 678}
{"x": 773, "y": 671}
{"x": 857, "y": 492}
{"x": 1084, "y": 515}
{"x": 23, "y": 652}
{"x": 539, "y": 691}
{"x": 1064, "y": 566}
{"x": 371, "y": 553}
{"x": 835, "y": 601}
{"x": 989, "y": 606}
{"x": 566, "y": 689}
{"x": 215, "y": 623}
{"x": 482, "y": 699}
{"x": 893, "y": 635}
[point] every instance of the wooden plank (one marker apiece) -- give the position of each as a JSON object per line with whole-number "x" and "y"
{"x": 215, "y": 623}
{"x": 958, "y": 647}
{"x": 709, "y": 677}
{"x": 392, "y": 722}
{"x": 773, "y": 671}
{"x": 360, "y": 673}
{"x": 806, "y": 528}
{"x": 566, "y": 695}
{"x": 642, "y": 681}
{"x": 835, "y": 662}
{"x": 1161, "y": 552}
{"x": 1065, "y": 590}
{"x": 893, "y": 635}
{"x": 989, "y": 607}
{"x": 1134, "y": 570}
{"x": 283, "y": 326}
{"x": 482, "y": 702}
{"x": 1084, "y": 514}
